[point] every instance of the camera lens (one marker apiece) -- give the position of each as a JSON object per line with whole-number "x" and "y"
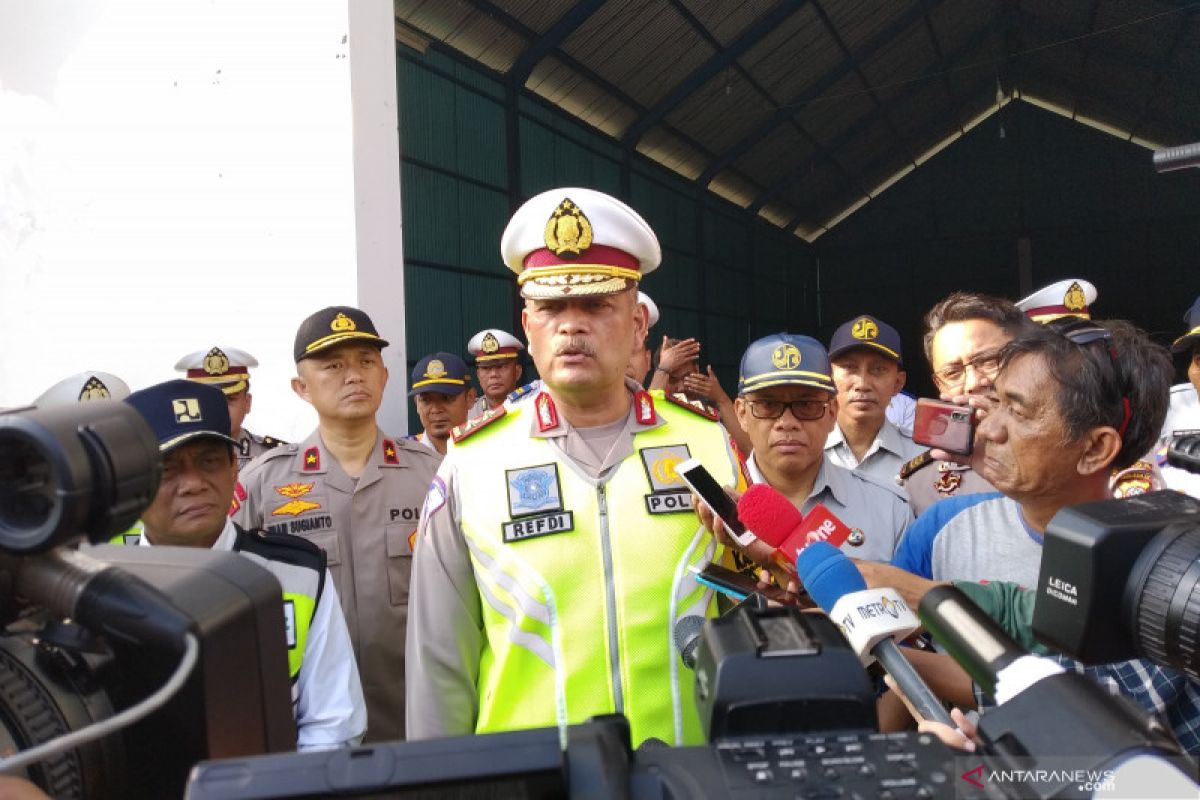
{"x": 1162, "y": 598}
{"x": 88, "y": 469}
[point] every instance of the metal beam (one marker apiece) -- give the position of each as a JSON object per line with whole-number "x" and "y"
{"x": 710, "y": 69}
{"x": 864, "y": 123}
{"x": 552, "y": 39}
{"x": 789, "y": 111}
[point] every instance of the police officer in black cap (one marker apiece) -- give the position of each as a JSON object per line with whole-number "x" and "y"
{"x": 354, "y": 491}
{"x": 442, "y": 392}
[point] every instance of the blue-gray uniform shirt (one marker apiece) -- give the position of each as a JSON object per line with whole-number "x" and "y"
{"x": 878, "y": 510}
{"x": 890, "y": 450}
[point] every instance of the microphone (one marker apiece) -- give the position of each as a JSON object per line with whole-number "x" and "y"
{"x": 101, "y": 598}
{"x": 990, "y": 656}
{"x": 687, "y": 638}
{"x": 870, "y": 619}
{"x": 777, "y": 522}
{"x": 1184, "y": 452}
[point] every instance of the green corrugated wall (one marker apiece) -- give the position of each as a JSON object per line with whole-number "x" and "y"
{"x": 726, "y": 278}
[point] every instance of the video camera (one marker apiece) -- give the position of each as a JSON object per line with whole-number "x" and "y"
{"x": 90, "y": 634}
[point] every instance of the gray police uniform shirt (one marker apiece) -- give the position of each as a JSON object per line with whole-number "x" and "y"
{"x": 478, "y": 408}
{"x": 327, "y": 695}
{"x": 941, "y": 479}
{"x": 868, "y": 506}
{"x": 250, "y": 446}
{"x": 890, "y": 450}
{"x": 366, "y": 527}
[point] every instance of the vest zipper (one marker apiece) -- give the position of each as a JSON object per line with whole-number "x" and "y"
{"x": 610, "y": 601}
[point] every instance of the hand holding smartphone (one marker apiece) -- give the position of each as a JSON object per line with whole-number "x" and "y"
{"x": 944, "y": 425}
{"x": 716, "y": 498}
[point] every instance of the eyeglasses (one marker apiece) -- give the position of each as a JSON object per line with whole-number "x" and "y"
{"x": 801, "y": 409}
{"x": 985, "y": 365}
{"x": 1082, "y": 332}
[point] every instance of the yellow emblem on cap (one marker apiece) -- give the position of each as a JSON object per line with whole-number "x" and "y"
{"x": 568, "y": 231}
{"x": 342, "y": 323}
{"x": 786, "y": 356}
{"x": 490, "y": 343}
{"x": 94, "y": 389}
{"x": 436, "y": 369}
{"x": 216, "y": 362}
{"x": 1075, "y": 299}
{"x": 864, "y": 328}
{"x": 186, "y": 410}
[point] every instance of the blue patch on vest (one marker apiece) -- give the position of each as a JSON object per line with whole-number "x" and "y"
{"x": 533, "y": 490}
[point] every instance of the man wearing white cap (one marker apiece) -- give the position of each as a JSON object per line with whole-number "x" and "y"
{"x": 228, "y": 369}
{"x": 1072, "y": 297}
{"x": 551, "y": 560}
{"x": 497, "y": 368}
{"x": 82, "y": 387}
{"x": 642, "y": 358}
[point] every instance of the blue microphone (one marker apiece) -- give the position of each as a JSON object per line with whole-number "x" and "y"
{"x": 871, "y": 620}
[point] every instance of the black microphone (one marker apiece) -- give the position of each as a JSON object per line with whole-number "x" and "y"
{"x": 687, "y": 638}
{"x": 1173, "y": 158}
{"x": 100, "y": 597}
{"x": 990, "y": 656}
{"x": 870, "y": 619}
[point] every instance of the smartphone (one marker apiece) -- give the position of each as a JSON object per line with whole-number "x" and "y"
{"x": 944, "y": 425}
{"x": 705, "y": 485}
{"x": 739, "y": 585}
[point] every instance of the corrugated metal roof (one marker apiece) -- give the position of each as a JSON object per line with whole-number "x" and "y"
{"x": 728, "y": 93}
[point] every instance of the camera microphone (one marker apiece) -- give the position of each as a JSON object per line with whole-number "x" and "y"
{"x": 101, "y": 598}
{"x": 1184, "y": 452}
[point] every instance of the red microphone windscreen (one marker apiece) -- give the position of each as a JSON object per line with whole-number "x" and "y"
{"x": 768, "y": 513}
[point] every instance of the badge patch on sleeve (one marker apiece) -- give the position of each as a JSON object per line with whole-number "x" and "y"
{"x": 435, "y": 498}
{"x": 668, "y": 493}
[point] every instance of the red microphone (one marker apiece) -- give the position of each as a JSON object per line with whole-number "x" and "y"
{"x": 776, "y": 521}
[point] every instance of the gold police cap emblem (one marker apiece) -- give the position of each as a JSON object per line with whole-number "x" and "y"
{"x": 1075, "y": 299}
{"x": 786, "y": 356}
{"x": 94, "y": 389}
{"x": 864, "y": 328}
{"x": 568, "y": 231}
{"x": 341, "y": 323}
{"x": 490, "y": 344}
{"x": 216, "y": 362}
{"x": 435, "y": 369}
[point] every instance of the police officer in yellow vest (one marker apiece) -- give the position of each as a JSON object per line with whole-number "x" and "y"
{"x": 191, "y": 509}
{"x": 551, "y": 562}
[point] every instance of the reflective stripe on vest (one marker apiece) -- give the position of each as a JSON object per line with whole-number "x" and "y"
{"x": 582, "y": 621}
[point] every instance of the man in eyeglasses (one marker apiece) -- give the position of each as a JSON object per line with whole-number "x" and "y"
{"x": 964, "y": 334}
{"x": 787, "y": 403}
{"x": 1073, "y": 400}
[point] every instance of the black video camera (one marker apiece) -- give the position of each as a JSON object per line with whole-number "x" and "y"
{"x": 86, "y": 634}
{"x": 1120, "y": 579}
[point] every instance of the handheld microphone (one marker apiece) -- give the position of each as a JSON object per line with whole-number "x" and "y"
{"x": 779, "y": 524}
{"x": 870, "y": 619}
{"x": 990, "y": 656}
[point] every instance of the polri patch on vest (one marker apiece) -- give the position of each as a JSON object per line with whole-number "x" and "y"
{"x": 668, "y": 493}
{"x": 533, "y": 490}
{"x": 534, "y": 527}
{"x": 669, "y": 502}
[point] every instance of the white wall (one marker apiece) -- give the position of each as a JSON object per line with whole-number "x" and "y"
{"x": 176, "y": 174}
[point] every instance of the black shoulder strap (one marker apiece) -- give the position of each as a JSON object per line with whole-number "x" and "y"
{"x": 283, "y": 547}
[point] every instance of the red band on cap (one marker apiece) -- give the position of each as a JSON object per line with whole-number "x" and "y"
{"x": 1037, "y": 312}
{"x": 233, "y": 373}
{"x": 596, "y": 254}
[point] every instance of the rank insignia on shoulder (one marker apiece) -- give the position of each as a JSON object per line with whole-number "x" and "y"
{"x": 519, "y": 392}
{"x": 461, "y": 432}
{"x": 912, "y": 465}
{"x": 695, "y": 406}
{"x": 271, "y": 441}
{"x": 312, "y": 459}
{"x": 389, "y": 452}
{"x": 547, "y": 412}
{"x": 643, "y": 406}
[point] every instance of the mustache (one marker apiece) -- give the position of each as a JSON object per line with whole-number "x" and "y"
{"x": 575, "y": 344}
